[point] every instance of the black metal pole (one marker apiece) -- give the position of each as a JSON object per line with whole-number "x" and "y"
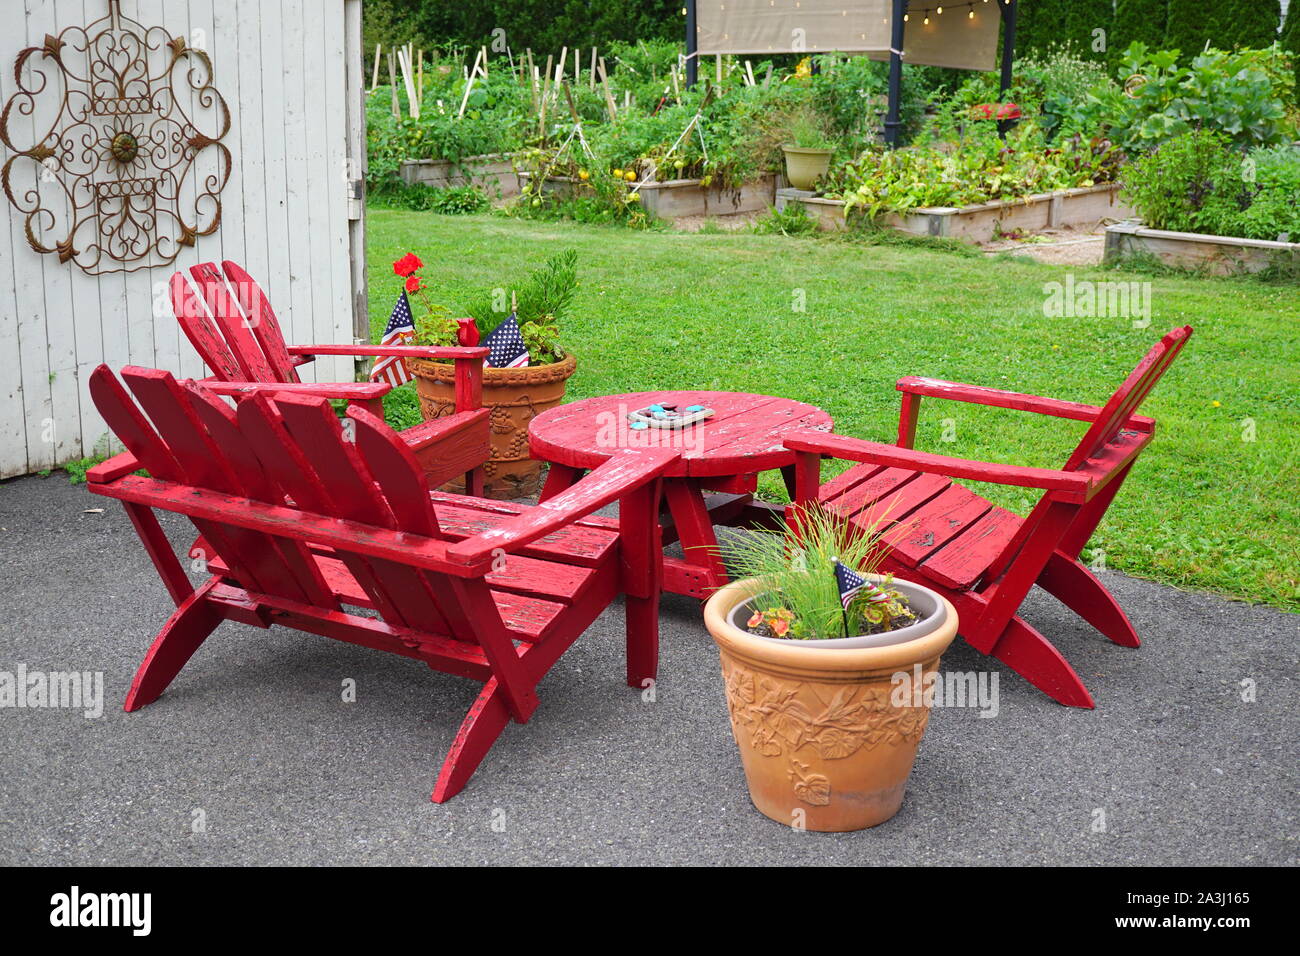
{"x": 896, "y": 25}
{"x": 692, "y": 53}
{"x": 1008, "y": 55}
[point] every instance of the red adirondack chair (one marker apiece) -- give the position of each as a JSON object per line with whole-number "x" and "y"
{"x": 982, "y": 558}
{"x": 236, "y": 333}
{"x": 301, "y": 518}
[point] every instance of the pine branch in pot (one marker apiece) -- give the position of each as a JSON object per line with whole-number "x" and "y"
{"x": 820, "y": 657}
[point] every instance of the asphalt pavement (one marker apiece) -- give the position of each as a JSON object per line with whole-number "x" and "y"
{"x": 254, "y": 757}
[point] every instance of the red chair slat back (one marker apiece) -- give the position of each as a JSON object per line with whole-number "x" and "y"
{"x": 173, "y": 445}
{"x": 261, "y": 318}
{"x": 288, "y": 452}
{"x": 1129, "y": 396}
{"x": 196, "y": 322}
{"x": 234, "y": 325}
{"x": 330, "y": 472}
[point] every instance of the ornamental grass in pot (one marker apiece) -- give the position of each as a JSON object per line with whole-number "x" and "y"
{"x": 820, "y": 687}
{"x": 809, "y": 150}
{"x": 515, "y": 395}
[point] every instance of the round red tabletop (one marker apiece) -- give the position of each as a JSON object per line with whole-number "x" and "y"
{"x": 744, "y": 434}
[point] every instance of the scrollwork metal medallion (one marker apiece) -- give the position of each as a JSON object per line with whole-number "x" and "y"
{"x": 116, "y": 161}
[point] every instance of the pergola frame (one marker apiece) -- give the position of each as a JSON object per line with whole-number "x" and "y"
{"x": 893, "y": 121}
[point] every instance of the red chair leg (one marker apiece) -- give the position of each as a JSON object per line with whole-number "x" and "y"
{"x": 1033, "y": 657}
{"x": 478, "y": 732}
{"x": 1078, "y": 589}
{"x": 187, "y": 628}
{"x": 642, "y": 617}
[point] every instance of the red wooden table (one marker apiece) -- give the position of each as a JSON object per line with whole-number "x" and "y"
{"x": 714, "y": 481}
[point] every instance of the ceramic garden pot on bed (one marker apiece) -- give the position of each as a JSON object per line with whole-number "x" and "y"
{"x": 827, "y": 734}
{"x": 516, "y": 396}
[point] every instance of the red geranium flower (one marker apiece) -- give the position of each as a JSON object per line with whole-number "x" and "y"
{"x": 413, "y": 284}
{"x": 407, "y": 264}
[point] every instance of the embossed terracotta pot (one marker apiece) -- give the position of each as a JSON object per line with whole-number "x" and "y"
{"x": 516, "y": 396}
{"x": 827, "y": 736}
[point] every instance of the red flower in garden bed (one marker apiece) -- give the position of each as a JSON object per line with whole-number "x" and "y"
{"x": 413, "y": 283}
{"x": 1002, "y": 111}
{"x": 407, "y": 265}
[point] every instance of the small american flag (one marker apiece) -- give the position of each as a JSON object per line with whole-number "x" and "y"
{"x": 507, "y": 345}
{"x": 400, "y": 331}
{"x": 851, "y": 583}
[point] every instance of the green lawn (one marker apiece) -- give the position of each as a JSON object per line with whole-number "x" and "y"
{"x": 1205, "y": 507}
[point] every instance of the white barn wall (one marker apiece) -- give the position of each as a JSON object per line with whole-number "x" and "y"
{"x": 282, "y": 66}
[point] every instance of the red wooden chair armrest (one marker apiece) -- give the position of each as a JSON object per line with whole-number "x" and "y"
{"x": 469, "y": 363}
{"x": 622, "y": 473}
{"x": 1067, "y": 485}
{"x": 113, "y": 468}
{"x": 351, "y": 391}
{"x": 451, "y": 352}
{"x": 418, "y": 437}
{"x": 1001, "y": 398}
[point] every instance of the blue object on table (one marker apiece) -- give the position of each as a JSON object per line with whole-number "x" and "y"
{"x": 638, "y": 425}
{"x": 695, "y": 408}
{"x": 655, "y": 408}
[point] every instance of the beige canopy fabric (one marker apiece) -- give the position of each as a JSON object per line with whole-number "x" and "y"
{"x": 953, "y": 38}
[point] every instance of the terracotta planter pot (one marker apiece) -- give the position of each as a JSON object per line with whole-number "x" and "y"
{"x": 516, "y": 396}
{"x": 803, "y": 167}
{"x": 822, "y": 741}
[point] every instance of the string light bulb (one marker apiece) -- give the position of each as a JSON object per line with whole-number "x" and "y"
{"x": 971, "y": 15}
{"x": 939, "y": 11}
{"x": 926, "y": 21}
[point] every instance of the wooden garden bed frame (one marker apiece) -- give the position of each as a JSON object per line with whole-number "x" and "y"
{"x": 1067, "y": 208}
{"x": 1217, "y": 255}
{"x": 494, "y": 172}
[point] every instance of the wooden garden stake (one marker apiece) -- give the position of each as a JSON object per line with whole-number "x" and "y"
{"x": 392, "y": 84}
{"x": 412, "y": 104}
{"x": 374, "y": 75}
{"x": 568, "y": 96}
{"x": 609, "y": 97}
{"x": 749, "y": 73}
{"x": 419, "y": 79}
{"x": 464, "y": 100}
{"x": 591, "y": 74}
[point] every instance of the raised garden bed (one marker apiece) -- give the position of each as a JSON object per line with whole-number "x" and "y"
{"x": 1217, "y": 255}
{"x": 1081, "y": 208}
{"x": 493, "y": 172}
{"x": 688, "y": 197}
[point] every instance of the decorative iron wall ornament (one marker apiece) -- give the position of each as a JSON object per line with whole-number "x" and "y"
{"x": 115, "y": 133}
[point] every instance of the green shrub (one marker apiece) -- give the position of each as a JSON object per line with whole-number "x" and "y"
{"x": 1171, "y": 185}
{"x": 449, "y": 200}
{"x": 1139, "y": 21}
{"x": 1236, "y": 93}
{"x": 1290, "y": 41}
{"x": 792, "y": 221}
{"x": 1198, "y": 182}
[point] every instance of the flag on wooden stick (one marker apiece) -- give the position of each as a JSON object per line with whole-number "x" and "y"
{"x": 851, "y": 584}
{"x": 399, "y": 331}
{"x": 507, "y": 347}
